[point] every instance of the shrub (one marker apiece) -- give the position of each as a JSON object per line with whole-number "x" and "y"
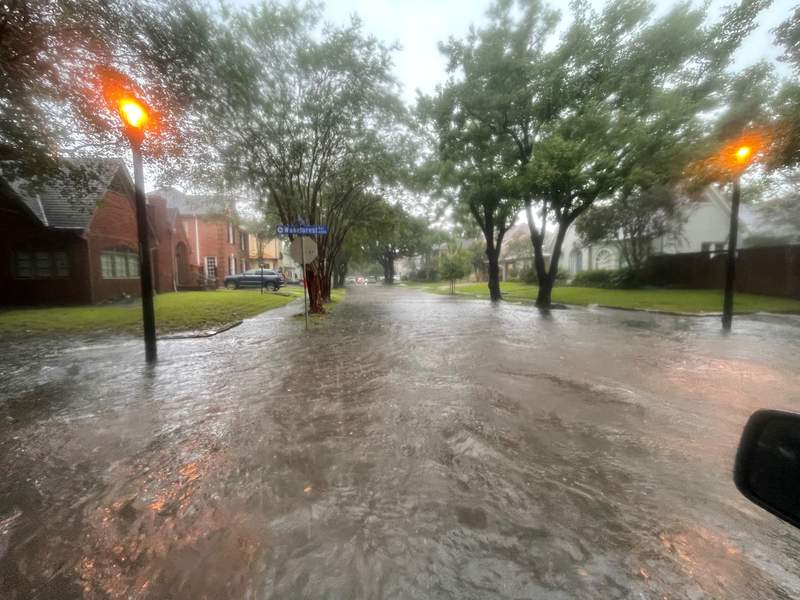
{"x": 424, "y": 274}
{"x": 528, "y": 275}
{"x": 599, "y": 279}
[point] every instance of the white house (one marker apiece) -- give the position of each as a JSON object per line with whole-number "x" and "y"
{"x": 705, "y": 230}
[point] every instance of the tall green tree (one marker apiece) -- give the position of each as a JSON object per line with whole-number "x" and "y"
{"x": 472, "y": 174}
{"x": 306, "y": 116}
{"x": 620, "y": 90}
{"x": 787, "y": 104}
{"x": 387, "y": 234}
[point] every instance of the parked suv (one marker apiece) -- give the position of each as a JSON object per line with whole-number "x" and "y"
{"x": 253, "y": 279}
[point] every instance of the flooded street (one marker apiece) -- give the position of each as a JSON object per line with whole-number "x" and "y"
{"x": 413, "y": 446}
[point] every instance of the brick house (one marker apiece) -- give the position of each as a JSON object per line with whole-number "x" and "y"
{"x": 173, "y": 267}
{"x": 219, "y": 245}
{"x": 72, "y": 242}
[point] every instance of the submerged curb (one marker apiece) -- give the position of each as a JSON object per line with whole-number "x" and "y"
{"x": 201, "y": 334}
{"x": 673, "y": 313}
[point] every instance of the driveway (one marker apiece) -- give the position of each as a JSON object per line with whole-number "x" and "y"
{"x": 414, "y": 446}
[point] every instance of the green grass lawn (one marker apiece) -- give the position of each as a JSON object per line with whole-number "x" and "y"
{"x": 337, "y": 295}
{"x": 180, "y": 311}
{"x": 688, "y": 301}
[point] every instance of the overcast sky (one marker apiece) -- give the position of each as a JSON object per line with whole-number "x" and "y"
{"x": 418, "y": 25}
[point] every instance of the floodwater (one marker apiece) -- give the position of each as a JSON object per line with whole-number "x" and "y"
{"x": 414, "y": 446}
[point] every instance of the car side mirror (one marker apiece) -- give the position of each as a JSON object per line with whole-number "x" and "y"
{"x": 767, "y": 467}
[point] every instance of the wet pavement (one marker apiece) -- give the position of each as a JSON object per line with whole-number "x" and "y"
{"x": 414, "y": 446}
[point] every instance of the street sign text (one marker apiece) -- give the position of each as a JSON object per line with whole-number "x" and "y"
{"x": 302, "y": 230}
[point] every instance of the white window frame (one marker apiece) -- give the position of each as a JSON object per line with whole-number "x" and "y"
{"x": 106, "y": 265}
{"x": 119, "y": 264}
{"x": 213, "y": 259}
{"x": 231, "y": 233}
{"x": 602, "y": 253}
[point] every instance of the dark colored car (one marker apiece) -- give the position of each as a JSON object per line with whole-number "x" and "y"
{"x": 254, "y": 278}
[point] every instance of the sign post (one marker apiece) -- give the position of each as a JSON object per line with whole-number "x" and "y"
{"x": 303, "y": 252}
{"x": 305, "y": 281}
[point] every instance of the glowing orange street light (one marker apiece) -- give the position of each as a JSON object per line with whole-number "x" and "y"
{"x": 135, "y": 116}
{"x": 743, "y": 153}
{"x": 133, "y": 113}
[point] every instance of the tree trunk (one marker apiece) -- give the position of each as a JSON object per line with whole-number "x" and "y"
{"x": 494, "y": 274}
{"x": 339, "y": 275}
{"x": 544, "y": 297}
{"x": 325, "y": 279}
{"x": 545, "y": 294}
{"x": 315, "y": 293}
{"x": 388, "y": 271}
{"x": 538, "y": 255}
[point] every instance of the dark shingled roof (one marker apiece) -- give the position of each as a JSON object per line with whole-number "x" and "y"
{"x": 185, "y": 204}
{"x": 68, "y": 200}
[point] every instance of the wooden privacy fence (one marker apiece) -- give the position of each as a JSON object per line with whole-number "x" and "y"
{"x": 774, "y": 270}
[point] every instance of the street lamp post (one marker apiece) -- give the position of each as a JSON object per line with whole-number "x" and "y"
{"x": 741, "y": 158}
{"x": 135, "y": 117}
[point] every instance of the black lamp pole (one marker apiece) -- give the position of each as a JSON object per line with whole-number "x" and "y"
{"x": 730, "y": 267}
{"x": 145, "y": 269}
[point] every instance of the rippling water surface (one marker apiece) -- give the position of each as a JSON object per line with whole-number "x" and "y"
{"x": 415, "y": 446}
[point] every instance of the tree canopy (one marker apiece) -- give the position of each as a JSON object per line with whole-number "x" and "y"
{"x": 612, "y": 105}
{"x": 57, "y": 56}
{"x": 305, "y": 116}
{"x": 386, "y": 234}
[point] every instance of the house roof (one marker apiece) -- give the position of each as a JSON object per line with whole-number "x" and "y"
{"x": 195, "y": 204}
{"x": 518, "y": 235}
{"x": 753, "y": 218}
{"x": 67, "y": 200}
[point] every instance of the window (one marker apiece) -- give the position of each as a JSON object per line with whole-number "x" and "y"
{"x": 119, "y": 264}
{"x": 242, "y": 241}
{"x": 61, "y": 262}
{"x": 107, "y": 265}
{"x": 211, "y": 267}
{"x": 231, "y": 234}
{"x": 605, "y": 260}
{"x": 133, "y": 265}
{"x": 23, "y": 265}
{"x": 41, "y": 264}
{"x": 231, "y": 265}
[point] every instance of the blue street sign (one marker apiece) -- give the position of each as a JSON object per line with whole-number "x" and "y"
{"x": 302, "y": 230}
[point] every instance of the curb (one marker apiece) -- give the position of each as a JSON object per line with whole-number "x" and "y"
{"x": 672, "y": 313}
{"x": 204, "y": 334}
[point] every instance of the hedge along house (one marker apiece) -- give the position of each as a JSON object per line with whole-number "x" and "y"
{"x": 73, "y": 239}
